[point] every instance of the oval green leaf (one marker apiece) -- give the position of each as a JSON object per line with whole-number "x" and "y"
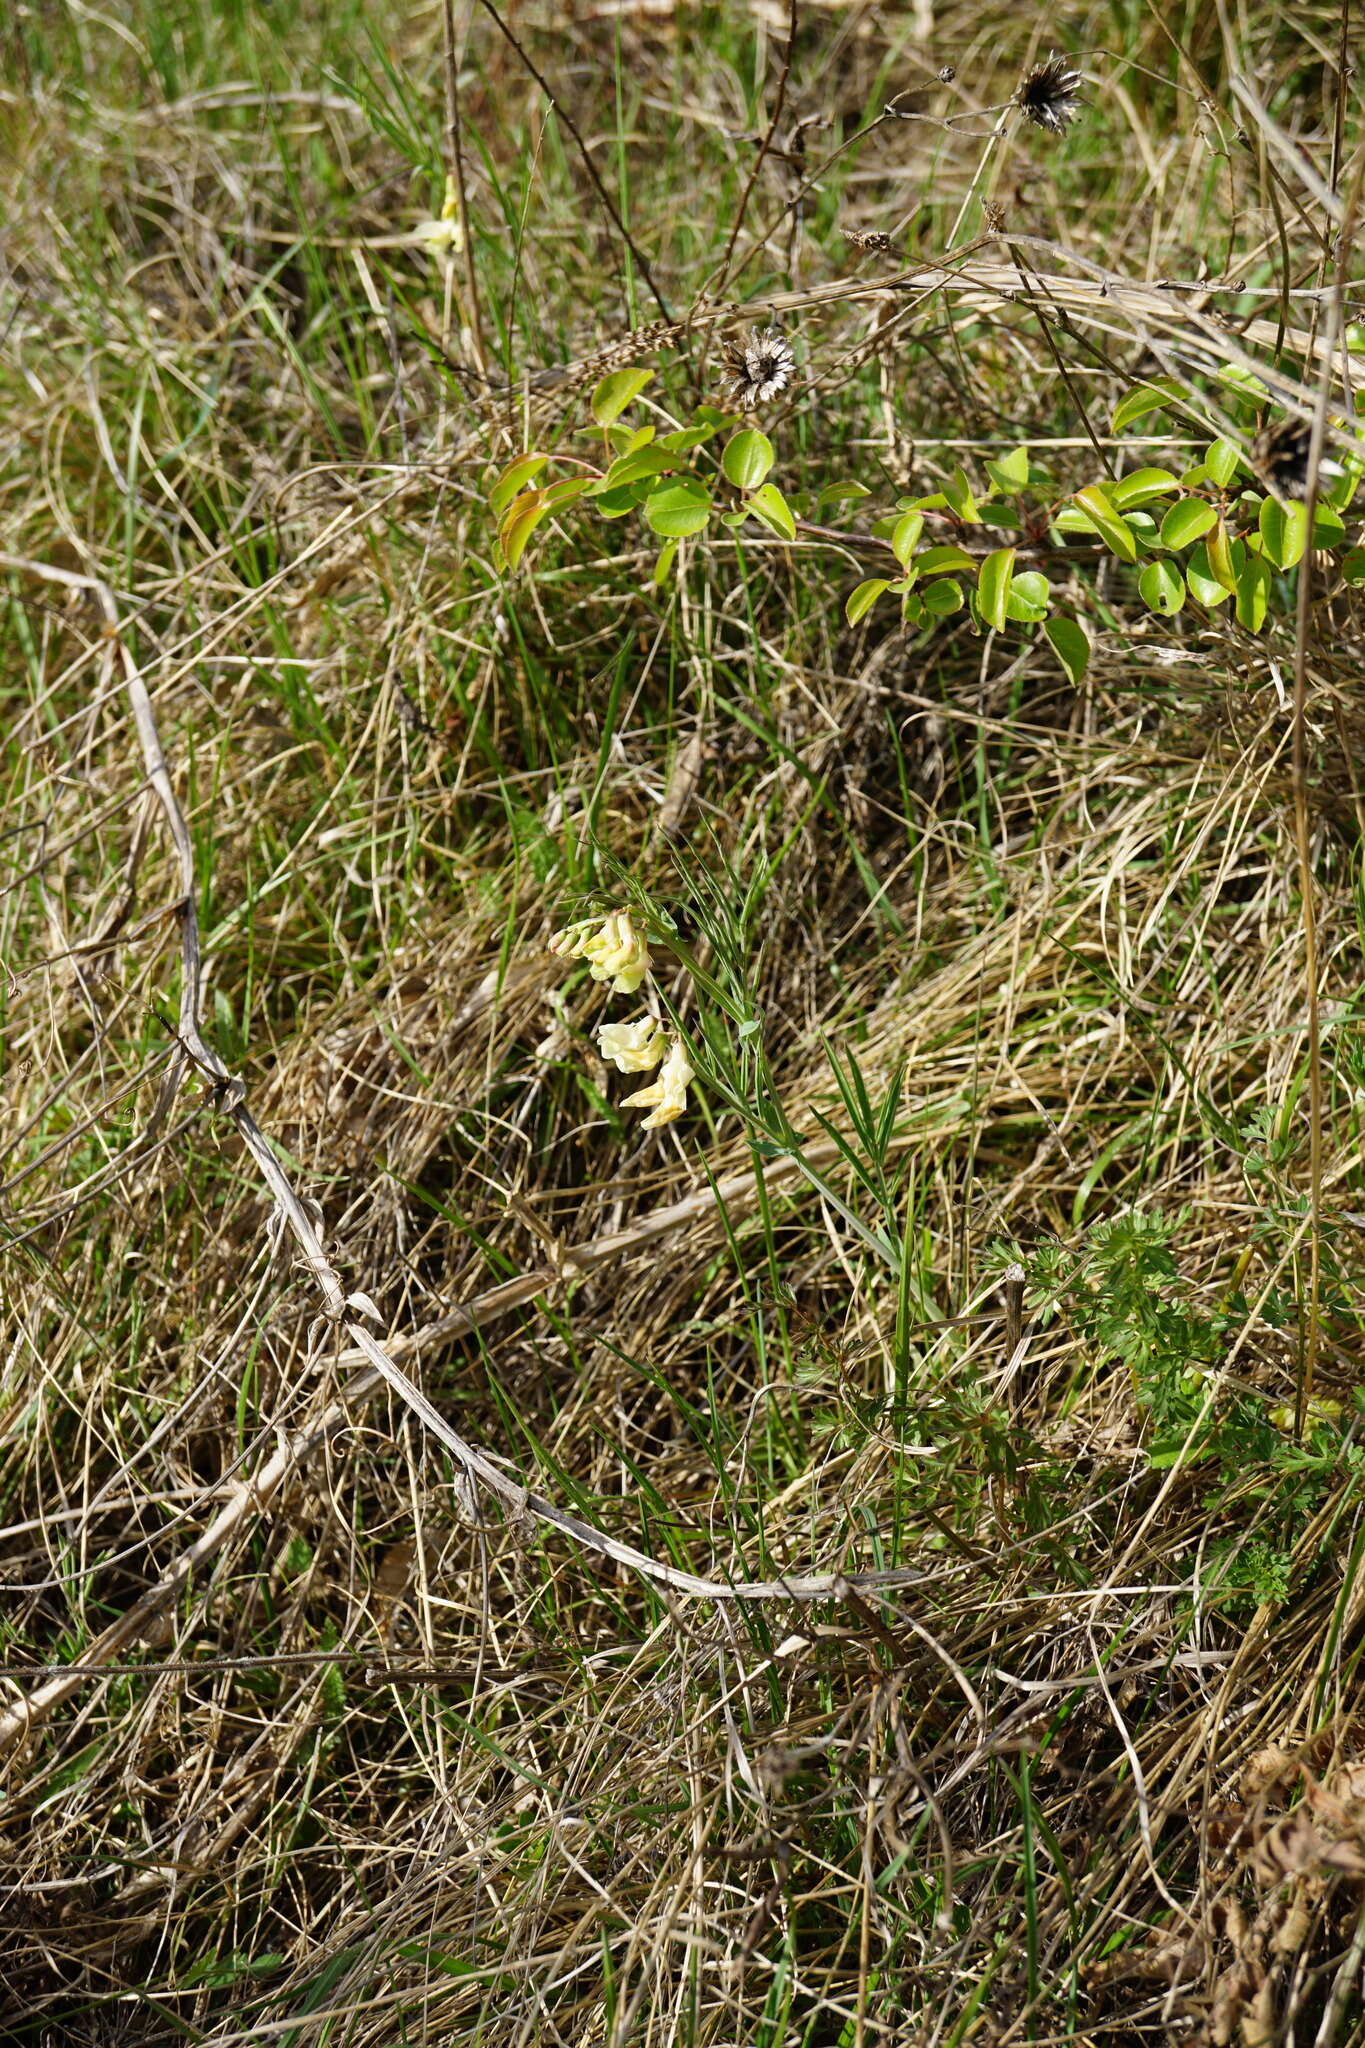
{"x": 615, "y": 392}
{"x": 1253, "y": 593}
{"x": 1070, "y": 645}
{"x": 680, "y": 507}
{"x": 941, "y": 598}
{"x": 1329, "y": 528}
{"x": 1222, "y": 462}
{"x": 1284, "y": 532}
{"x": 1009, "y": 472}
{"x": 1028, "y": 597}
{"x": 1187, "y": 522}
{"x": 864, "y": 597}
{"x": 1111, "y": 529}
{"x": 934, "y": 560}
{"x": 1145, "y": 398}
{"x": 1203, "y": 584}
{"x": 993, "y": 587}
{"x": 905, "y": 535}
{"x": 1162, "y": 588}
{"x": 520, "y": 521}
{"x": 513, "y": 478}
{"x": 958, "y": 494}
{"x": 1140, "y": 486}
{"x": 772, "y": 508}
{"x": 747, "y": 459}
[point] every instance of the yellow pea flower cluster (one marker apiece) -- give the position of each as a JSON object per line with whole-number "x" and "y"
{"x": 617, "y": 952}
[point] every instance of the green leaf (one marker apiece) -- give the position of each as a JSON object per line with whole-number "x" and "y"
{"x": 935, "y": 559}
{"x": 1204, "y": 585}
{"x": 958, "y": 493}
{"x": 1284, "y": 532}
{"x": 625, "y": 440}
{"x": 1253, "y": 593}
{"x": 864, "y": 597}
{"x": 1329, "y": 528}
{"x": 1353, "y": 566}
{"x": 838, "y": 494}
{"x": 941, "y": 598}
{"x": 905, "y": 536}
{"x": 1187, "y": 521}
{"x": 682, "y": 439}
{"x": 1338, "y": 491}
{"x": 1070, "y": 645}
{"x": 663, "y": 568}
{"x": 912, "y": 608}
{"x": 1221, "y": 559}
{"x": 680, "y": 507}
{"x": 1009, "y": 472}
{"x": 1111, "y": 529}
{"x": 1028, "y": 598}
{"x": 773, "y": 509}
{"x": 1222, "y": 461}
{"x": 1245, "y": 381}
{"x": 637, "y": 462}
{"x": 1162, "y": 588}
{"x": 565, "y": 493}
{"x": 1145, "y": 398}
{"x": 993, "y": 587}
{"x": 747, "y": 459}
{"x": 615, "y": 393}
{"x": 1140, "y": 486}
{"x": 520, "y": 521}
{"x": 616, "y": 503}
{"x": 513, "y": 478}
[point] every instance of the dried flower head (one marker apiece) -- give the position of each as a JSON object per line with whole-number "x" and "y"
{"x": 1279, "y": 456}
{"x": 612, "y": 947}
{"x": 635, "y": 1048}
{"x": 872, "y": 241}
{"x": 666, "y": 1097}
{"x": 760, "y": 366}
{"x": 1050, "y": 95}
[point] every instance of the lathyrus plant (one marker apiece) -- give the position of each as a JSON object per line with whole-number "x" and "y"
{"x": 1230, "y": 528}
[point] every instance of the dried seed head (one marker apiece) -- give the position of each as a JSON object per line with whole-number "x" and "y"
{"x": 1050, "y": 95}
{"x": 760, "y": 366}
{"x": 947, "y": 74}
{"x": 1279, "y": 456}
{"x": 872, "y": 241}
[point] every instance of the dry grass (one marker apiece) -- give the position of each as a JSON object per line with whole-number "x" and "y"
{"x": 1022, "y": 1734}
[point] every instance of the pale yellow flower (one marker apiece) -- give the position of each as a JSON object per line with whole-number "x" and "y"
{"x": 612, "y": 947}
{"x": 443, "y": 235}
{"x": 667, "y": 1096}
{"x": 633, "y": 1048}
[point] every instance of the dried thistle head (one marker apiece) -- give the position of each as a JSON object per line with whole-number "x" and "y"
{"x": 1279, "y": 456}
{"x": 760, "y": 366}
{"x": 1050, "y": 95}
{"x": 872, "y": 241}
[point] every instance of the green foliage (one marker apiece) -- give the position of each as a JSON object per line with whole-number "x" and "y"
{"x": 1203, "y": 537}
